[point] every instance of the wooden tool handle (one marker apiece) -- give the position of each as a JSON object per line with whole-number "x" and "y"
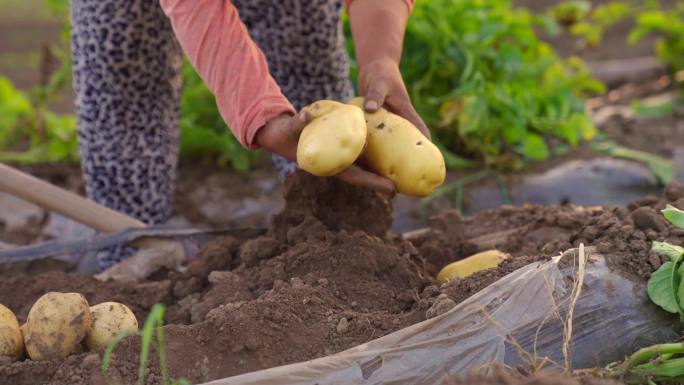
{"x": 50, "y": 197}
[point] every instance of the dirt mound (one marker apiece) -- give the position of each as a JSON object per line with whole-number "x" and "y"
{"x": 530, "y": 233}
{"x": 336, "y": 204}
{"x": 323, "y": 279}
{"x": 327, "y": 278}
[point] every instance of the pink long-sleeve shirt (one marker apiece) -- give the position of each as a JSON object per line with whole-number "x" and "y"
{"x": 230, "y": 63}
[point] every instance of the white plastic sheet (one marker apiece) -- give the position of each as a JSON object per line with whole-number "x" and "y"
{"x": 613, "y": 317}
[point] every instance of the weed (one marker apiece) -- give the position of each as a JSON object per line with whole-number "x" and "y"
{"x": 153, "y": 327}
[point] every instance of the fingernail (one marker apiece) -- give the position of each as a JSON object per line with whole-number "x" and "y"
{"x": 371, "y": 105}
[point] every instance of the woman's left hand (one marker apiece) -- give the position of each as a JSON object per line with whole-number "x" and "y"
{"x": 381, "y": 83}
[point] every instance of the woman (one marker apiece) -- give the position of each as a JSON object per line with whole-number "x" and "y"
{"x": 127, "y": 63}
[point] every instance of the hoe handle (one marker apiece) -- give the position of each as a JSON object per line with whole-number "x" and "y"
{"x": 53, "y": 198}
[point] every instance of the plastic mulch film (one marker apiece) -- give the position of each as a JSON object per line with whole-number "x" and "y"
{"x": 518, "y": 318}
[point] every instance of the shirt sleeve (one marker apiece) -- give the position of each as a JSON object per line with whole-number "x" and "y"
{"x": 409, "y": 3}
{"x": 229, "y": 62}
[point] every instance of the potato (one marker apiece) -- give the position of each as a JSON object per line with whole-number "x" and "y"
{"x": 468, "y": 266}
{"x": 56, "y": 325}
{"x": 397, "y": 150}
{"x": 109, "y": 319}
{"x": 333, "y": 140}
{"x": 11, "y": 341}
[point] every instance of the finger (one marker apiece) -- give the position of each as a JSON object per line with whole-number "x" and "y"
{"x": 357, "y": 176}
{"x": 296, "y": 124}
{"x": 375, "y": 96}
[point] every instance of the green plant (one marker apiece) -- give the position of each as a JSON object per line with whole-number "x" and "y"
{"x": 154, "y": 327}
{"x": 657, "y": 364}
{"x": 665, "y": 287}
{"x": 662, "y": 363}
{"x": 30, "y": 132}
{"x": 490, "y": 89}
{"x": 27, "y": 123}
{"x": 203, "y": 131}
{"x": 589, "y": 22}
{"x": 569, "y": 13}
{"x": 661, "y": 168}
{"x": 668, "y": 25}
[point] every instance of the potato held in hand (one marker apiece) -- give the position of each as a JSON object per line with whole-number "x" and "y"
{"x": 333, "y": 140}
{"x": 397, "y": 150}
{"x": 109, "y": 320}
{"x": 11, "y": 341}
{"x": 56, "y": 325}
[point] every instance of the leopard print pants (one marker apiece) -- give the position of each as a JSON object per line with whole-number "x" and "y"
{"x": 127, "y": 80}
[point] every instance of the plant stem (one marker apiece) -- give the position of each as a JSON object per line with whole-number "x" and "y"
{"x": 646, "y": 354}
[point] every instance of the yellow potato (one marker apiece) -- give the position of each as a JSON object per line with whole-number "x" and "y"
{"x": 109, "y": 320}
{"x": 397, "y": 150}
{"x": 11, "y": 341}
{"x": 471, "y": 265}
{"x": 333, "y": 140}
{"x": 56, "y": 325}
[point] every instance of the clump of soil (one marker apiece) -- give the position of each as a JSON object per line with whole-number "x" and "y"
{"x": 327, "y": 277}
{"x": 532, "y": 233}
{"x": 337, "y": 205}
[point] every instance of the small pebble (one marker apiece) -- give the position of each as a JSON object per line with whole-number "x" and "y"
{"x": 441, "y": 306}
{"x": 342, "y": 326}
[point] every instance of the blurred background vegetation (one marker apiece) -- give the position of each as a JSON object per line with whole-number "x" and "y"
{"x": 493, "y": 92}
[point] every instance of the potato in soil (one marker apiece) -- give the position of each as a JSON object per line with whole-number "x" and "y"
{"x": 397, "y": 150}
{"x": 11, "y": 341}
{"x": 109, "y": 320}
{"x": 333, "y": 140}
{"x": 56, "y": 325}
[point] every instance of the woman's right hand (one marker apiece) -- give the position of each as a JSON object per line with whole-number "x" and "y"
{"x": 280, "y": 135}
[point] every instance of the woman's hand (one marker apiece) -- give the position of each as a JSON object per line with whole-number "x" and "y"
{"x": 280, "y": 135}
{"x": 378, "y": 32}
{"x": 381, "y": 83}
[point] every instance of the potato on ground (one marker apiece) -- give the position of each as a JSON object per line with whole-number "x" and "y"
{"x": 109, "y": 320}
{"x": 397, "y": 150}
{"x": 11, "y": 341}
{"x": 473, "y": 264}
{"x": 56, "y": 325}
{"x": 333, "y": 140}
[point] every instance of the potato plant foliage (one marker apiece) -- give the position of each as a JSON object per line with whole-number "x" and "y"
{"x": 589, "y": 22}
{"x": 488, "y": 86}
{"x": 665, "y": 287}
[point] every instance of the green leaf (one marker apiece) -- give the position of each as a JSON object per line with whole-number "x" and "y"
{"x": 535, "y": 147}
{"x": 642, "y": 110}
{"x": 680, "y": 291}
{"x": 661, "y": 167}
{"x": 662, "y": 370}
{"x": 661, "y": 287}
{"x": 673, "y": 252}
{"x": 674, "y": 215}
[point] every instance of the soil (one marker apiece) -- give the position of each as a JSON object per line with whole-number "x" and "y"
{"x": 327, "y": 277}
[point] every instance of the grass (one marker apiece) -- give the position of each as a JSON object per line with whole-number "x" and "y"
{"x": 34, "y": 11}
{"x": 153, "y": 327}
